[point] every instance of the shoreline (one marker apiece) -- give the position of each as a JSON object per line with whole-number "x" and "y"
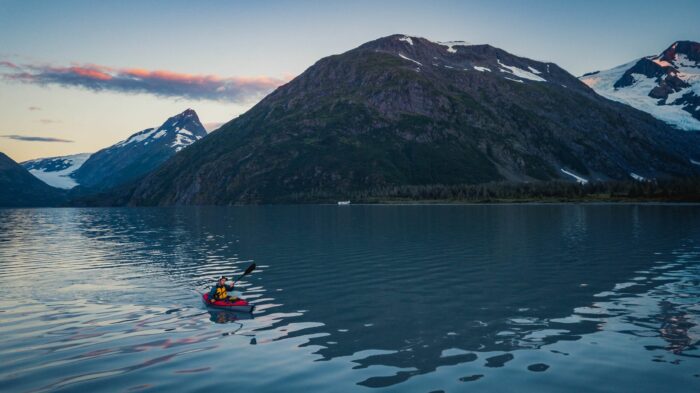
{"x": 400, "y": 203}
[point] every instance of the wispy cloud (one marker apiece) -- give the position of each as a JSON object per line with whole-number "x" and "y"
{"x": 26, "y": 138}
{"x": 49, "y": 121}
{"x": 9, "y": 64}
{"x": 136, "y": 80}
{"x": 34, "y": 108}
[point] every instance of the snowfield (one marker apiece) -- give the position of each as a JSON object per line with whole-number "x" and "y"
{"x": 636, "y": 95}
{"x": 61, "y": 178}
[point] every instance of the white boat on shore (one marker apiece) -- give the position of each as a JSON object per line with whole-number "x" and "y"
{"x": 343, "y": 202}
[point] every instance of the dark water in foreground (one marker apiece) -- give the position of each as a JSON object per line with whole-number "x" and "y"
{"x": 595, "y": 298}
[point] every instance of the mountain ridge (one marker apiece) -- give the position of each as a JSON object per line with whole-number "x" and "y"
{"x": 123, "y": 161}
{"x": 404, "y": 110}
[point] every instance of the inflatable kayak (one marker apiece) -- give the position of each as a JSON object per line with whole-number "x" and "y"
{"x": 240, "y": 305}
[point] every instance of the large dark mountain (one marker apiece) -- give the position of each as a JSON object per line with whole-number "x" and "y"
{"x": 18, "y": 188}
{"x": 666, "y": 85}
{"x": 407, "y": 111}
{"x": 140, "y": 153}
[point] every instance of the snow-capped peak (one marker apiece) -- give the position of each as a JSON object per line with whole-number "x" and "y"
{"x": 123, "y": 161}
{"x": 181, "y": 130}
{"x": 667, "y": 85}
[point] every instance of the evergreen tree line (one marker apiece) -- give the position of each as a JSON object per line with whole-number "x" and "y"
{"x": 671, "y": 190}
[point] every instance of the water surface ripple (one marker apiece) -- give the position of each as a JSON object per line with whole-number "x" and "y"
{"x": 496, "y": 298}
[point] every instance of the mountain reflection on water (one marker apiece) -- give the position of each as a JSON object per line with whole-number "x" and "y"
{"x": 417, "y": 298}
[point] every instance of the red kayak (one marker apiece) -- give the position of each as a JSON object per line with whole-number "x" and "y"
{"x": 240, "y": 305}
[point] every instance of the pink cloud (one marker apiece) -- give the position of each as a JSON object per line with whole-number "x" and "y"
{"x": 136, "y": 80}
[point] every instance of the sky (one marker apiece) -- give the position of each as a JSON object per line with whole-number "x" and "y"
{"x": 78, "y": 76}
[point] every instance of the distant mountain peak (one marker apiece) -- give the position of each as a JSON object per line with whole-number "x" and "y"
{"x": 180, "y": 130}
{"x": 123, "y": 161}
{"x": 133, "y": 157}
{"x": 666, "y": 85}
{"x": 188, "y": 114}
{"x": 689, "y": 49}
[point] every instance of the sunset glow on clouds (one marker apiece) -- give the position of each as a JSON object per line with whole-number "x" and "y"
{"x": 136, "y": 80}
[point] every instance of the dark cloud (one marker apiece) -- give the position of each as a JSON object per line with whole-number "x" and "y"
{"x": 134, "y": 80}
{"x": 27, "y": 138}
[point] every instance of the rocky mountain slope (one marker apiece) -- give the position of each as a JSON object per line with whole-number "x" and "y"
{"x": 407, "y": 111}
{"x": 18, "y": 188}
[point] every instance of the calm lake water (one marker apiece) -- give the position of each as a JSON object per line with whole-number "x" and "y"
{"x": 498, "y": 298}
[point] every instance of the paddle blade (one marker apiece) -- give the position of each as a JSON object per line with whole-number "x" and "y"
{"x": 249, "y": 269}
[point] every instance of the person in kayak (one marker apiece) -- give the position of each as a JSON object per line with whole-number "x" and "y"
{"x": 220, "y": 291}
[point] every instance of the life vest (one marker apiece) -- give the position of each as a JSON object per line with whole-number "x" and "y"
{"x": 220, "y": 293}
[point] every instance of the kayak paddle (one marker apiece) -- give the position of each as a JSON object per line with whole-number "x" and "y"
{"x": 245, "y": 273}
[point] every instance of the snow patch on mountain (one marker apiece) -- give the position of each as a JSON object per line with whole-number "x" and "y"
{"x": 482, "y": 69}
{"x": 520, "y": 73}
{"x": 406, "y": 39}
{"x": 578, "y": 178}
{"x": 138, "y": 137}
{"x": 409, "y": 59}
{"x": 451, "y": 45}
{"x": 183, "y": 139}
{"x": 638, "y": 177}
{"x": 56, "y": 171}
